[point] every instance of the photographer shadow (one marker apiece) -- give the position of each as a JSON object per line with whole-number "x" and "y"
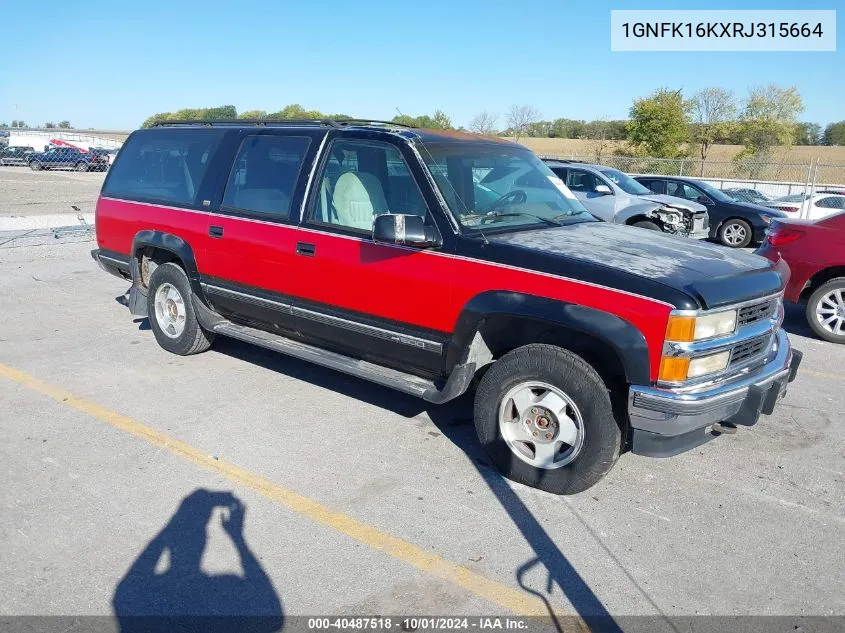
{"x": 166, "y": 589}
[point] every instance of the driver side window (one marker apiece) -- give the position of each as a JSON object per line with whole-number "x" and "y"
{"x": 363, "y": 179}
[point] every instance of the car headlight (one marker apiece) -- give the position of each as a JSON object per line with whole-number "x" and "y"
{"x": 686, "y": 329}
{"x": 680, "y": 368}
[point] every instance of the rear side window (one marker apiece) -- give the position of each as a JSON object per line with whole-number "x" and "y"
{"x": 264, "y": 175}
{"x": 163, "y": 165}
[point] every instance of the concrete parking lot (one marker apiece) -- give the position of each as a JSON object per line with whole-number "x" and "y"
{"x": 24, "y": 192}
{"x": 126, "y": 470}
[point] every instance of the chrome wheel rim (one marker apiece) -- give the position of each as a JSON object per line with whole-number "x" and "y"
{"x": 170, "y": 310}
{"x": 735, "y": 234}
{"x": 830, "y": 312}
{"x": 541, "y": 425}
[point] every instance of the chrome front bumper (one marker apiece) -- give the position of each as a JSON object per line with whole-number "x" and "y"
{"x": 666, "y": 422}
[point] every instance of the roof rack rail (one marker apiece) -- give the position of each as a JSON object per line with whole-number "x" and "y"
{"x": 561, "y": 160}
{"x": 259, "y": 122}
{"x": 279, "y": 122}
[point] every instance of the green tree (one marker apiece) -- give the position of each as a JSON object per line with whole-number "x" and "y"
{"x": 296, "y": 111}
{"x": 65, "y": 125}
{"x": 659, "y": 124}
{"x": 440, "y": 120}
{"x": 712, "y": 110}
{"x": 834, "y": 133}
{"x": 768, "y": 120}
{"x": 253, "y": 114}
{"x": 49, "y": 125}
{"x": 807, "y": 133}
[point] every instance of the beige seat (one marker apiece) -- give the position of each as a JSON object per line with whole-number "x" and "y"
{"x": 358, "y": 198}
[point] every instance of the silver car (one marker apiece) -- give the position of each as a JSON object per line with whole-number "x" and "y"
{"x": 614, "y": 196}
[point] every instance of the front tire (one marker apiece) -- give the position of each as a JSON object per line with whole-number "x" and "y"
{"x": 826, "y": 310}
{"x": 81, "y": 166}
{"x": 735, "y": 233}
{"x": 544, "y": 416}
{"x": 35, "y": 166}
{"x": 171, "y": 312}
{"x": 645, "y": 224}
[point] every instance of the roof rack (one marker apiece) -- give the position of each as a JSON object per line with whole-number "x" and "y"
{"x": 561, "y": 160}
{"x": 279, "y": 122}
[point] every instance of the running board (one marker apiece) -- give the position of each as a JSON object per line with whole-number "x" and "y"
{"x": 457, "y": 383}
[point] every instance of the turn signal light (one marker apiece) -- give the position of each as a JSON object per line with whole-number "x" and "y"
{"x": 673, "y": 369}
{"x": 680, "y": 329}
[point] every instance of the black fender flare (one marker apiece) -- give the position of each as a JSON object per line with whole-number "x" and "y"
{"x": 166, "y": 242}
{"x": 623, "y": 337}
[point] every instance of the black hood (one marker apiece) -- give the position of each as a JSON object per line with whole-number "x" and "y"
{"x": 709, "y": 274}
{"x": 736, "y": 205}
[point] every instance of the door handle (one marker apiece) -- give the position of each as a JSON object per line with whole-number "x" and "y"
{"x": 304, "y": 248}
{"x": 215, "y": 231}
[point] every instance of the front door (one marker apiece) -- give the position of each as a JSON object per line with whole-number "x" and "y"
{"x": 380, "y": 302}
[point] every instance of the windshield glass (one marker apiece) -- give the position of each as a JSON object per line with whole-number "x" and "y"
{"x": 489, "y": 186}
{"x": 710, "y": 190}
{"x": 626, "y": 183}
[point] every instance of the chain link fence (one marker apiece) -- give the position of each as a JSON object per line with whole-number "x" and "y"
{"x": 42, "y": 150}
{"x": 772, "y": 179}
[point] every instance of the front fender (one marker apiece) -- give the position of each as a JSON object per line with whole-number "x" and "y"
{"x": 641, "y": 208}
{"x": 626, "y": 340}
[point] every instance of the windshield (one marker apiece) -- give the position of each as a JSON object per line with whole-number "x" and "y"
{"x": 489, "y": 186}
{"x": 626, "y": 183}
{"x": 710, "y": 190}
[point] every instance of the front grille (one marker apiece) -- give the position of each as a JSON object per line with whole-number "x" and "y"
{"x": 756, "y": 312}
{"x": 745, "y": 351}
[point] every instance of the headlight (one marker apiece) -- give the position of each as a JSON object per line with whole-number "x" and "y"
{"x": 680, "y": 368}
{"x": 685, "y": 329}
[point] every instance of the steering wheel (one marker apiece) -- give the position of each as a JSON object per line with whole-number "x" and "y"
{"x": 517, "y": 196}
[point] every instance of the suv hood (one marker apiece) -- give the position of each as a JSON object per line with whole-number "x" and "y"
{"x": 674, "y": 202}
{"x": 711, "y": 275}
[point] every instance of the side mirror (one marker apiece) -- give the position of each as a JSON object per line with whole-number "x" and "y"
{"x": 408, "y": 230}
{"x": 603, "y": 190}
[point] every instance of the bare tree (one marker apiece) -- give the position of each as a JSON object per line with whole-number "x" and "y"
{"x": 598, "y": 134}
{"x": 484, "y": 123}
{"x": 520, "y": 118}
{"x": 712, "y": 111}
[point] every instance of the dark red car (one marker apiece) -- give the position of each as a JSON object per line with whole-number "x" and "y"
{"x": 815, "y": 252}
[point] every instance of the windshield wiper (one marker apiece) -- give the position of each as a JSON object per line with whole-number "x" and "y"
{"x": 509, "y": 214}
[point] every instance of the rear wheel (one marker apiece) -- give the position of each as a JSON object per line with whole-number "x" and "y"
{"x": 171, "y": 312}
{"x": 735, "y": 233}
{"x": 826, "y": 310}
{"x": 544, "y": 416}
{"x": 81, "y": 166}
{"x": 35, "y": 166}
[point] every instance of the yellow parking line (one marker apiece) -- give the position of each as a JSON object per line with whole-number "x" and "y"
{"x": 510, "y": 598}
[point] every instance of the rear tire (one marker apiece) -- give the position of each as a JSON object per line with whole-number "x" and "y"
{"x": 645, "y": 224}
{"x": 81, "y": 166}
{"x": 35, "y": 166}
{"x": 538, "y": 376}
{"x": 171, "y": 312}
{"x": 827, "y": 303}
{"x": 735, "y": 233}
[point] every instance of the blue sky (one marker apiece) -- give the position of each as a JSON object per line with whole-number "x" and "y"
{"x": 110, "y": 65}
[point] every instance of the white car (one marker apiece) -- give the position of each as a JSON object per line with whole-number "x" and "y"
{"x": 802, "y": 205}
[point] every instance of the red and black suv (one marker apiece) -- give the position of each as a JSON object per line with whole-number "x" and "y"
{"x": 434, "y": 262}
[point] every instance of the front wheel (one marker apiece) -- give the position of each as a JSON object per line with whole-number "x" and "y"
{"x": 544, "y": 416}
{"x": 826, "y": 310}
{"x": 645, "y": 224}
{"x": 171, "y": 313}
{"x": 735, "y": 233}
{"x": 35, "y": 166}
{"x": 81, "y": 166}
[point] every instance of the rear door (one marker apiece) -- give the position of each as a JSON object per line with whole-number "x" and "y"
{"x": 249, "y": 267}
{"x": 381, "y": 302}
